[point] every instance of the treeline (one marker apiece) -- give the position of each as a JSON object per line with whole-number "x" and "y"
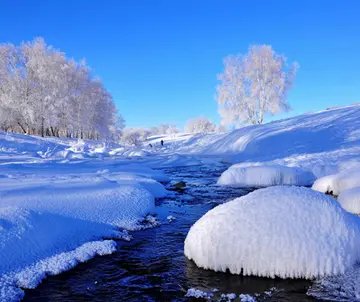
{"x": 43, "y": 92}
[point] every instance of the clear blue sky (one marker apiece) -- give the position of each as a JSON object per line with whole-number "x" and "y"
{"x": 159, "y": 59}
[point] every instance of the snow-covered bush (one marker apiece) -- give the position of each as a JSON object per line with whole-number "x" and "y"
{"x": 336, "y": 183}
{"x": 199, "y": 125}
{"x": 289, "y": 232}
{"x": 265, "y": 176}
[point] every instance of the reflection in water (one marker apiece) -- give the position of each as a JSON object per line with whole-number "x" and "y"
{"x": 152, "y": 266}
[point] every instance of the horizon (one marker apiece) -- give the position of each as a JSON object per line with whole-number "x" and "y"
{"x": 164, "y": 57}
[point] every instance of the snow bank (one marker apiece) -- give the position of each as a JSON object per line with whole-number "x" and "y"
{"x": 350, "y": 200}
{"x": 93, "y": 199}
{"x": 33, "y": 244}
{"x": 336, "y": 183}
{"x": 289, "y": 232}
{"x": 265, "y": 176}
{"x": 52, "y": 215}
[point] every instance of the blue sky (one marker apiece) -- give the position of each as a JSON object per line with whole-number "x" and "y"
{"x": 159, "y": 59}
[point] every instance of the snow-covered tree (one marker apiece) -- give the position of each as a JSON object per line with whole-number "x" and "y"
{"x": 168, "y": 129}
{"x": 43, "y": 92}
{"x": 131, "y": 137}
{"x": 199, "y": 125}
{"x": 253, "y": 85}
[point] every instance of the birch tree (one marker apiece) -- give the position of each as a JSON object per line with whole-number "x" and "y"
{"x": 253, "y": 85}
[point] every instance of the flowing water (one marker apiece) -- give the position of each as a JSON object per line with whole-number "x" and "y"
{"x": 152, "y": 266}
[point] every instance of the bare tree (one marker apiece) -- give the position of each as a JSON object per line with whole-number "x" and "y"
{"x": 253, "y": 85}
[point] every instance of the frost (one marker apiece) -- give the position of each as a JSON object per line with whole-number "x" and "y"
{"x": 198, "y": 294}
{"x": 171, "y": 218}
{"x": 246, "y": 298}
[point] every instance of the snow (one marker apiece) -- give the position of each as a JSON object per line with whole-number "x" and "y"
{"x": 337, "y": 183}
{"x": 58, "y": 195}
{"x": 289, "y": 232}
{"x": 59, "y": 200}
{"x": 264, "y": 176}
{"x": 350, "y": 200}
{"x": 344, "y": 287}
{"x": 198, "y": 294}
{"x": 324, "y": 143}
{"x": 246, "y": 298}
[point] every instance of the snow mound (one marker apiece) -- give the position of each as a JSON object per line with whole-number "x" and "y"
{"x": 289, "y": 232}
{"x": 92, "y": 199}
{"x": 336, "y": 183}
{"x": 350, "y": 200}
{"x": 265, "y": 176}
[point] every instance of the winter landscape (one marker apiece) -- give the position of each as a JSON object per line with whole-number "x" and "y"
{"x": 259, "y": 203}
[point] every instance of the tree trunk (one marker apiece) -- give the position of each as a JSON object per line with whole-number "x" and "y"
{"x": 42, "y": 127}
{"x": 22, "y": 128}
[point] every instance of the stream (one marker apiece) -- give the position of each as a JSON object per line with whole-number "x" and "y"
{"x": 152, "y": 266}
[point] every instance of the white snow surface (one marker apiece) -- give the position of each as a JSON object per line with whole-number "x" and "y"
{"x": 264, "y": 176}
{"x": 350, "y": 200}
{"x": 337, "y": 183}
{"x": 59, "y": 200}
{"x": 324, "y": 143}
{"x": 289, "y": 232}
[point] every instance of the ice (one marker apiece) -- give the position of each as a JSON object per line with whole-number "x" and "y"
{"x": 198, "y": 294}
{"x": 343, "y": 287}
{"x": 350, "y": 200}
{"x": 246, "y": 298}
{"x": 289, "y": 232}
{"x": 265, "y": 176}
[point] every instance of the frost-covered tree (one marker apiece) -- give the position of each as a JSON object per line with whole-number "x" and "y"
{"x": 131, "y": 137}
{"x": 168, "y": 129}
{"x": 199, "y": 125}
{"x": 43, "y": 92}
{"x": 253, "y": 85}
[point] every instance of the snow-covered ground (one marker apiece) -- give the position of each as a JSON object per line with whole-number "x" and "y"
{"x": 60, "y": 198}
{"x": 58, "y": 210}
{"x": 323, "y": 143}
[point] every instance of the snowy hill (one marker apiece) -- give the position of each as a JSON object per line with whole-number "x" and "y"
{"x": 323, "y": 142}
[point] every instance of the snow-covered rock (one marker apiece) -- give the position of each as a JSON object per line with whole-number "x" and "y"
{"x": 350, "y": 200}
{"x": 289, "y": 232}
{"x": 265, "y": 176}
{"x": 336, "y": 183}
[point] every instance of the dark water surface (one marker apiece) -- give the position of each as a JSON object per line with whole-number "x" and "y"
{"x": 152, "y": 266}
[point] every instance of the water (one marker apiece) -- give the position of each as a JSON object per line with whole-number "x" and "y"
{"x": 152, "y": 266}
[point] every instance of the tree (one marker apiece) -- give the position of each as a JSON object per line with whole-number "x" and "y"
{"x": 199, "y": 125}
{"x": 131, "y": 137}
{"x": 168, "y": 129}
{"x": 253, "y": 85}
{"x": 43, "y": 92}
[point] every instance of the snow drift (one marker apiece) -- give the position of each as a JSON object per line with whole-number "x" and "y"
{"x": 350, "y": 200}
{"x": 289, "y": 232}
{"x": 265, "y": 176}
{"x": 336, "y": 183}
